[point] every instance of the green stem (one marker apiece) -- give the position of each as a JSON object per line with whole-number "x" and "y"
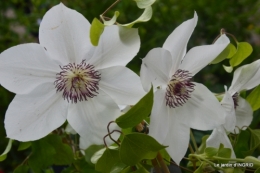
{"x": 228, "y": 159}
{"x": 194, "y": 141}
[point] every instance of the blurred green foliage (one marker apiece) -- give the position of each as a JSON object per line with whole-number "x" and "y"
{"x": 19, "y": 23}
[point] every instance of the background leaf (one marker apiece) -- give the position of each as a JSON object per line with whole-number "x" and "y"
{"x": 96, "y": 30}
{"x": 137, "y": 146}
{"x": 138, "y": 112}
{"x": 244, "y": 49}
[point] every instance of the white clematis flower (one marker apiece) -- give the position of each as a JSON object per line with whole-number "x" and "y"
{"x": 66, "y": 78}
{"x": 180, "y": 103}
{"x": 238, "y": 111}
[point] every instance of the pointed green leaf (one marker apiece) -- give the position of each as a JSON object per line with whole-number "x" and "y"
{"x": 21, "y": 169}
{"x": 224, "y": 153}
{"x": 137, "y": 146}
{"x": 223, "y": 55}
{"x": 232, "y": 50}
{"x": 108, "y": 160}
{"x": 144, "y": 3}
{"x": 242, "y": 144}
{"x": 255, "y": 161}
{"x": 118, "y": 168}
{"x": 80, "y": 166}
{"x": 63, "y": 152}
{"x": 24, "y": 145}
{"x": 49, "y": 150}
{"x": 147, "y": 14}
{"x": 210, "y": 151}
{"x": 257, "y": 171}
{"x": 90, "y": 151}
{"x": 138, "y": 112}
{"x": 7, "y": 149}
{"x": 42, "y": 155}
{"x": 99, "y": 153}
{"x": 96, "y": 30}
{"x": 141, "y": 170}
{"x": 111, "y": 21}
{"x": 127, "y": 170}
{"x": 228, "y": 69}
{"x": 253, "y": 98}
{"x": 244, "y": 49}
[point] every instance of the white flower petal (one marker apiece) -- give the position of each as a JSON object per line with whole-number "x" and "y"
{"x": 159, "y": 119}
{"x": 146, "y": 77}
{"x": 65, "y": 34}
{"x": 198, "y": 57}
{"x": 217, "y": 137}
{"x": 35, "y": 115}
{"x": 202, "y": 111}
{"x": 123, "y": 85}
{"x": 177, "y": 41}
{"x": 90, "y": 118}
{"x": 228, "y": 104}
{"x": 245, "y": 77}
{"x": 177, "y": 139}
{"x": 158, "y": 62}
{"x": 244, "y": 114}
{"x": 117, "y": 46}
{"x": 26, "y": 66}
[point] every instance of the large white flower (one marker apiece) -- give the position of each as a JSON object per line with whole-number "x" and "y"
{"x": 65, "y": 77}
{"x": 238, "y": 111}
{"x": 180, "y": 103}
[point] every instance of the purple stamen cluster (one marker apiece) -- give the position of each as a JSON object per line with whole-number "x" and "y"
{"x": 179, "y": 88}
{"x": 78, "y": 81}
{"x": 235, "y": 99}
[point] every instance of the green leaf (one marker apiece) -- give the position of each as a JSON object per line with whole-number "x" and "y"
{"x": 257, "y": 171}
{"x": 223, "y": 55}
{"x": 255, "y": 161}
{"x": 203, "y": 144}
{"x": 111, "y": 21}
{"x": 90, "y": 151}
{"x": 147, "y": 14}
{"x": 255, "y": 138}
{"x": 127, "y": 170}
{"x": 42, "y": 155}
{"x": 7, "y": 149}
{"x": 63, "y": 152}
{"x": 24, "y": 145}
{"x": 137, "y": 146}
{"x": 96, "y": 30}
{"x": 141, "y": 170}
{"x": 210, "y": 151}
{"x": 80, "y": 166}
{"x": 99, "y": 153}
{"x": 49, "y": 150}
{"x": 238, "y": 170}
{"x": 200, "y": 168}
{"x": 144, "y": 3}
{"x": 118, "y": 168}
{"x": 232, "y": 50}
{"x": 21, "y": 169}
{"x": 138, "y": 112}
{"x": 228, "y": 69}
{"x": 244, "y": 49}
{"x": 107, "y": 161}
{"x": 224, "y": 153}
{"x": 242, "y": 144}
{"x": 253, "y": 98}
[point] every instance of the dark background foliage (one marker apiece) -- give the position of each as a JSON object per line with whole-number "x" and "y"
{"x": 19, "y": 23}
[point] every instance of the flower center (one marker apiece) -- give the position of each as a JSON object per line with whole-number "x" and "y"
{"x": 235, "y": 99}
{"x": 78, "y": 82}
{"x": 179, "y": 88}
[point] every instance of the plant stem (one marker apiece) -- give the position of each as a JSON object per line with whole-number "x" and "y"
{"x": 156, "y": 166}
{"x": 162, "y": 163}
{"x": 228, "y": 159}
{"x": 194, "y": 141}
{"x": 111, "y": 6}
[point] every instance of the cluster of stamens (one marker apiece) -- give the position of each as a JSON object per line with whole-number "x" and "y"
{"x": 78, "y": 82}
{"x": 235, "y": 99}
{"x": 179, "y": 88}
